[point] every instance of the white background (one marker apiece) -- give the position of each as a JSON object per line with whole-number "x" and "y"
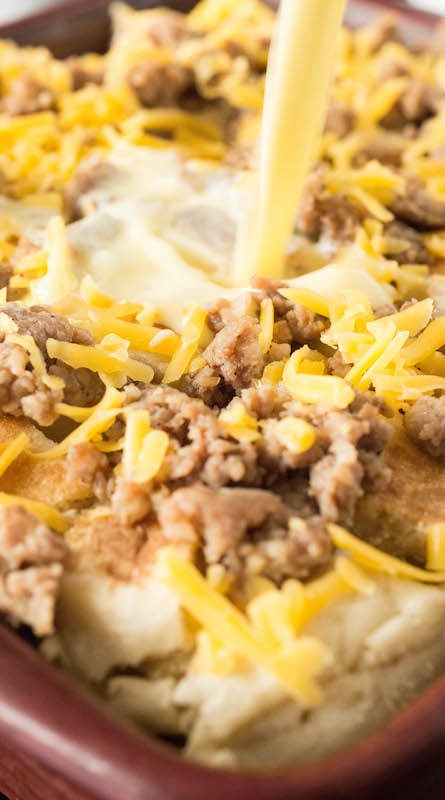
{"x": 13, "y": 9}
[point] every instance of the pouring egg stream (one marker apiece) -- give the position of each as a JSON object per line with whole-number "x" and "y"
{"x": 300, "y": 69}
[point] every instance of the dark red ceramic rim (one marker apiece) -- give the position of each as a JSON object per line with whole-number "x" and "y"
{"x": 46, "y": 16}
{"x": 51, "y": 730}
{"x": 56, "y": 25}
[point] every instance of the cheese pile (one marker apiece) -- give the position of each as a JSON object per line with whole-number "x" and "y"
{"x": 39, "y": 152}
{"x": 397, "y": 355}
{"x": 271, "y": 633}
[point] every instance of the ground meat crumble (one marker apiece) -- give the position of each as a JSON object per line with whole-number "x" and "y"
{"x": 31, "y": 566}
{"x": 27, "y": 96}
{"x": 323, "y": 216}
{"x": 159, "y": 84}
{"x": 235, "y": 354}
{"x": 87, "y": 467}
{"x": 247, "y": 530}
{"x": 417, "y": 207}
{"x": 425, "y": 425}
{"x": 23, "y": 390}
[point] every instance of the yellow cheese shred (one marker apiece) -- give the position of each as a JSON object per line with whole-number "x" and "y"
{"x": 12, "y": 451}
{"x": 354, "y": 576}
{"x": 381, "y": 101}
{"x": 435, "y": 546}
{"x": 37, "y": 360}
{"x": 408, "y": 387}
{"x": 346, "y": 577}
{"x": 329, "y": 389}
{"x": 59, "y": 279}
{"x": 377, "y": 209}
{"x": 307, "y": 298}
{"x": 267, "y": 316}
{"x": 372, "y": 354}
{"x": 322, "y": 592}
{"x": 435, "y": 243}
{"x": 277, "y": 615}
{"x": 141, "y": 337}
{"x": 280, "y": 612}
{"x": 433, "y": 364}
{"x": 212, "y": 656}
{"x": 238, "y": 423}
{"x": 193, "y": 329}
{"x": 386, "y": 359}
{"x": 47, "y": 514}
{"x": 309, "y": 361}
{"x": 76, "y": 413}
{"x": 96, "y": 359}
{"x": 295, "y": 434}
{"x": 144, "y": 449}
{"x": 412, "y": 319}
{"x": 430, "y": 340}
{"x": 374, "y": 559}
{"x": 102, "y": 417}
{"x": 273, "y": 372}
{"x": 92, "y": 295}
{"x": 127, "y": 310}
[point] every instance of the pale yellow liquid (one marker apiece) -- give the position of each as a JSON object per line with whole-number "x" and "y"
{"x": 298, "y": 80}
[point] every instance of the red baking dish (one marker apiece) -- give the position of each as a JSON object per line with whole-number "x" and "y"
{"x": 57, "y": 743}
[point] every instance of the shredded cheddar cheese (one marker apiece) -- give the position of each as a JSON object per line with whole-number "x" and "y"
{"x": 408, "y": 388}
{"x": 430, "y": 340}
{"x": 238, "y": 423}
{"x": 144, "y": 449}
{"x": 412, "y": 319}
{"x": 101, "y": 418}
{"x": 47, "y": 514}
{"x": 92, "y": 295}
{"x": 373, "y": 559}
{"x": 322, "y": 592}
{"x": 328, "y": 389}
{"x": 12, "y": 451}
{"x": 266, "y": 324}
{"x": 142, "y": 337}
{"x": 381, "y": 101}
{"x": 355, "y": 376}
{"x": 435, "y": 547}
{"x": 98, "y": 360}
{"x": 295, "y": 434}
{"x": 59, "y": 279}
{"x": 273, "y": 372}
{"x": 270, "y": 635}
{"x": 212, "y": 656}
{"x": 308, "y": 299}
{"x": 296, "y": 665}
{"x": 76, "y": 413}
{"x": 193, "y": 329}
{"x": 278, "y": 615}
{"x": 36, "y": 359}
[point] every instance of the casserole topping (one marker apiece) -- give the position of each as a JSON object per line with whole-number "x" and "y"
{"x": 235, "y": 494}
